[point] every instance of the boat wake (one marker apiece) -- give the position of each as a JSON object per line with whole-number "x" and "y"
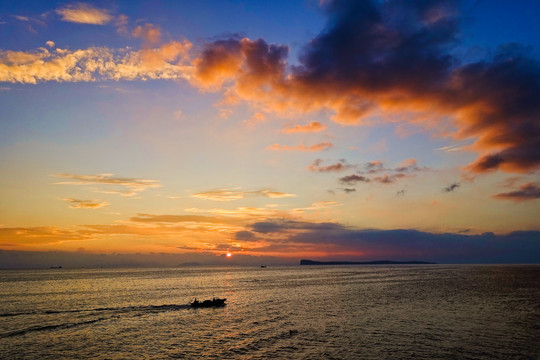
{"x": 148, "y": 308}
{"x": 104, "y": 313}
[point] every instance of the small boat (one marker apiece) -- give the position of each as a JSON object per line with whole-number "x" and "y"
{"x": 215, "y": 302}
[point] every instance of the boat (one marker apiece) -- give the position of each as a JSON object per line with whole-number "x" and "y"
{"x": 215, "y": 302}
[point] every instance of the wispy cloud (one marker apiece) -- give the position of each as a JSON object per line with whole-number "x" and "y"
{"x": 317, "y": 147}
{"x": 452, "y": 148}
{"x": 130, "y": 186}
{"x": 255, "y": 119}
{"x": 86, "y": 204}
{"x": 83, "y": 13}
{"x": 376, "y": 172}
{"x": 152, "y": 218}
{"x": 236, "y": 194}
{"x": 149, "y": 33}
{"x": 314, "y": 126}
{"x": 40, "y": 235}
{"x": 21, "y": 18}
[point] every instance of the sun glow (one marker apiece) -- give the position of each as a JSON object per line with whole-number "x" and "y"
{"x": 229, "y": 254}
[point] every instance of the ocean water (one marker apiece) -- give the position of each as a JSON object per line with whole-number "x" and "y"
{"x": 302, "y": 312}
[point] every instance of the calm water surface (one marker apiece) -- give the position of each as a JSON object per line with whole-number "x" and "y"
{"x": 332, "y": 312}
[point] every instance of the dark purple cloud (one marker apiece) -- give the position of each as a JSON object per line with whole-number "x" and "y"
{"x": 515, "y": 247}
{"x": 265, "y": 227}
{"x": 526, "y": 192}
{"x": 452, "y": 187}
{"x": 245, "y": 236}
{"x": 353, "y": 179}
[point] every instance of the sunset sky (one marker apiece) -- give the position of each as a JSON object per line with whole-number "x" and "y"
{"x": 271, "y": 130}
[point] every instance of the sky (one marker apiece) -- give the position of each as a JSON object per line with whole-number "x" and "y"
{"x": 160, "y": 133}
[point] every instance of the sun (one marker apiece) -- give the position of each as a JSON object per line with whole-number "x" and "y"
{"x": 229, "y": 254}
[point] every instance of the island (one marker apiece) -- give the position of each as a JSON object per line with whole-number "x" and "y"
{"x": 378, "y": 262}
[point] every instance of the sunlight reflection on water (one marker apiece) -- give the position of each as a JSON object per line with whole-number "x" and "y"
{"x": 355, "y": 312}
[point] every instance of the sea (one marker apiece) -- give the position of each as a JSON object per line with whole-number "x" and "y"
{"x": 297, "y": 312}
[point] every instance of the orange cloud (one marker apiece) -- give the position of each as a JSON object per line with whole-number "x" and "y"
{"x": 83, "y": 13}
{"x": 317, "y": 147}
{"x": 94, "y": 64}
{"x": 86, "y": 204}
{"x": 314, "y": 126}
{"x": 339, "y": 166}
{"x": 364, "y": 67}
{"x": 149, "y": 33}
{"x": 255, "y": 119}
{"x": 39, "y": 235}
{"x": 233, "y": 194}
{"x": 130, "y": 186}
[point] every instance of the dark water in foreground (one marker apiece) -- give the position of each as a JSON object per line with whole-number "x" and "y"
{"x": 337, "y": 312}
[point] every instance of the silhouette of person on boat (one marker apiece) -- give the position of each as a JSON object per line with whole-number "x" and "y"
{"x": 215, "y": 302}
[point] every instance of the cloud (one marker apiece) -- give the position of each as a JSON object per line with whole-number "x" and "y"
{"x": 282, "y": 226}
{"x": 339, "y": 166}
{"x": 367, "y": 172}
{"x": 245, "y": 235}
{"x": 408, "y": 166}
{"x": 452, "y": 148}
{"x": 353, "y": 179}
{"x": 255, "y": 119}
{"x": 411, "y": 244}
{"x": 234, "y": 194}
{"x": 86, "y": 204}
{"x": 373, "y": 167}
{"x": 394, "y": 59}
{"x": 452, "y": 187}
{"x": 149, "y": 33}
{"x": 130, "y": 186}
{"x": 317, "y": 147}
{"x": 121, "y": 23}
{"x": 348, "y": 190}
{"x": 525, "y": 192}
{"x": 83, "y": 13}
{"x": 150, "y": 218}
{"x": 21, "y": 18}
{"x": 314, "y": 126}
{"x": 178, "y": 114}
{"x": 95, "y": 64}
{"x": 389, "y": 179}
{"x": 50, "y": 43}
{"x": 39, "y": 235}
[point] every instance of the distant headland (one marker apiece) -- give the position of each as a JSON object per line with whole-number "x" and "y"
{"x": 378, "y": 262}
